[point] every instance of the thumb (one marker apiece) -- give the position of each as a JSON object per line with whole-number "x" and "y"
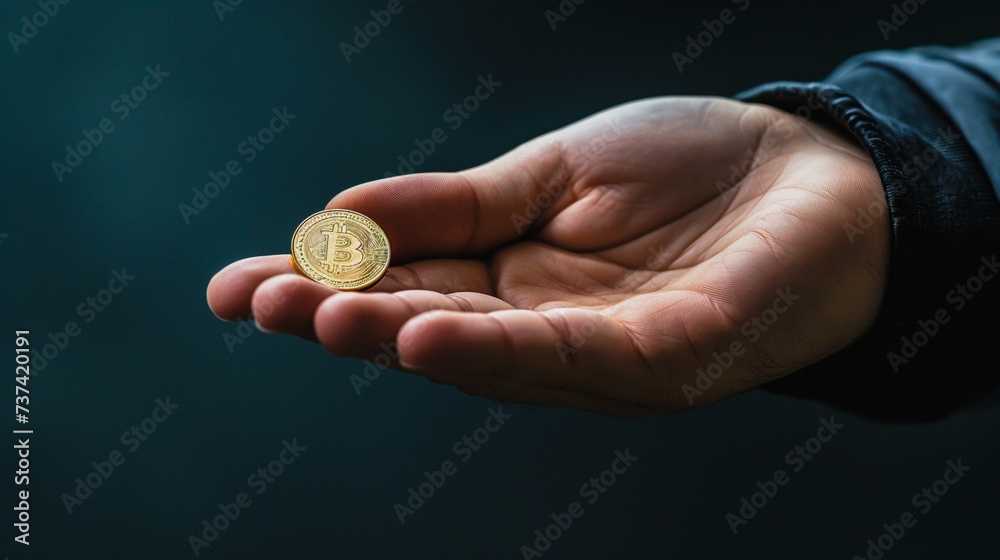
{"x": 435, "y": 215}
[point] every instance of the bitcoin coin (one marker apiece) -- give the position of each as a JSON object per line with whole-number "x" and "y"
{"x": 341, "y": 249}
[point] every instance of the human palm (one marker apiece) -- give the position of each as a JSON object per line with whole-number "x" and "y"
{"x": 605, "y": 266}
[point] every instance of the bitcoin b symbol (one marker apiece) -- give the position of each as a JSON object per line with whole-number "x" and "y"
{"x": 343, "y": 248}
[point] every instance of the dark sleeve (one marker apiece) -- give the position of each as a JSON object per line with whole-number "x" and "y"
{"x": 930, "y": 119}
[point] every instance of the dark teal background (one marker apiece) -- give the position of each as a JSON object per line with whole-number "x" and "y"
{"x": 157, "y": 338}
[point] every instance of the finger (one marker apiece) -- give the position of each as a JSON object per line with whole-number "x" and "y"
{"x": 230, "y": 290}
{"x": 364, "y": 324}
{"x": 243, "y": 290}
{"x": 430, "y": 215}
{"x": 286, "y": 304}
{"x": 572, "y": 355}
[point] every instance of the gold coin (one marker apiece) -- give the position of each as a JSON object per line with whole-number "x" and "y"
{"x": 341, "y": 249}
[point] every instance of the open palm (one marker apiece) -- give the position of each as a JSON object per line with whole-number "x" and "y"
{"x": 661, "y": 254}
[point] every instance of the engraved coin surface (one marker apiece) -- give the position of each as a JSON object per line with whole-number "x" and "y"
{"x": 342, "y": 249}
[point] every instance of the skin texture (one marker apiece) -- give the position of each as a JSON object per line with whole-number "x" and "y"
{"x": 602, "y": 265}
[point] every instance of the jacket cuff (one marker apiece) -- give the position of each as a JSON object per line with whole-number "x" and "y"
{"x": 923, "y": 357}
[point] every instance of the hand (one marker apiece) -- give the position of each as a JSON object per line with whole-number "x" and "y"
{"x": 603, "y": 265}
